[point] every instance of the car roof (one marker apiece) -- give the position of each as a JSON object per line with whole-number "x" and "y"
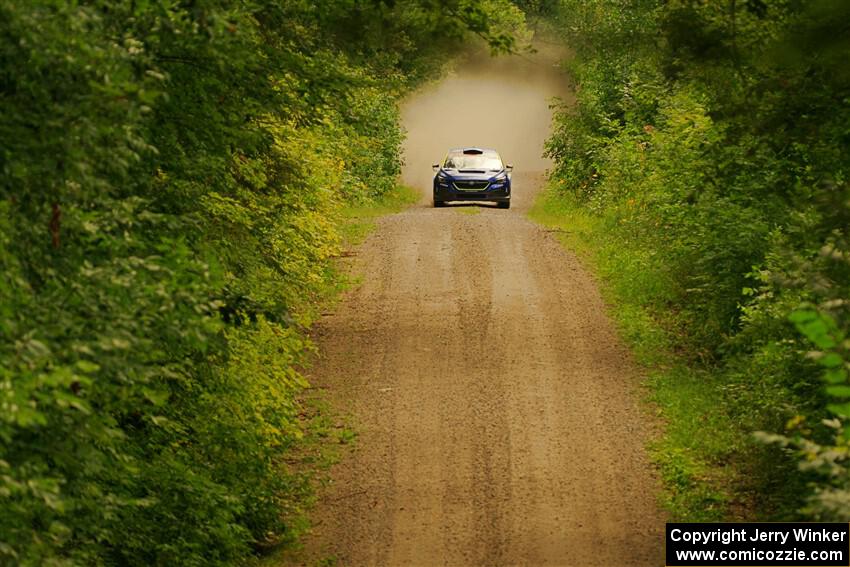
{"x": 473, "y": 150}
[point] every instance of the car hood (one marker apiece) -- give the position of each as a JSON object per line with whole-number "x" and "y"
{"x": 478, "y": 174}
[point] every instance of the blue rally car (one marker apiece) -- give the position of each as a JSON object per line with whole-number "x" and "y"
{"x": 473, "y": 174}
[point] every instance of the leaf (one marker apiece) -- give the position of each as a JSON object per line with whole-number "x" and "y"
{"x": 156, "y": 397}
{"x": 842, "y": 409}
{"x": 835, "y": 375}
{"x": 87, "y": 366}
{"x": 815, "y": 326}
{"x": 838, "y": 391}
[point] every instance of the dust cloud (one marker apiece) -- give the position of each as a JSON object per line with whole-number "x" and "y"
{"x": 498, "y": 102}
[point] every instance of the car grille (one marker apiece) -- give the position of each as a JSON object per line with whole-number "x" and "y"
{"x": 471, "y": 185}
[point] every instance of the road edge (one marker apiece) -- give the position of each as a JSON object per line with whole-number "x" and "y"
{"x": 676, "y": 397}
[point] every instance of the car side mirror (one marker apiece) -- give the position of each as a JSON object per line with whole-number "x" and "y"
{"x": 509, "y": 167}
{"x": 436, "y": 167}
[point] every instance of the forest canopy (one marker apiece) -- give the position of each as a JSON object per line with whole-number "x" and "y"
{"x": 171, "y": 173}
{"x": 709, "y": 145}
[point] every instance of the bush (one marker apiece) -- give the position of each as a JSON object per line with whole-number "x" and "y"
{"x": 707, "y": 139}
{"x": 171, "y": 174}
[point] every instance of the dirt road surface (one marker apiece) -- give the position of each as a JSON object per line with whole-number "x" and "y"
{"x": 498, "y": 415}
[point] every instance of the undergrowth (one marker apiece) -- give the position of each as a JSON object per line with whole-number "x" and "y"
{"x": 703, "y": 166}
{"x": 696, "y": 451}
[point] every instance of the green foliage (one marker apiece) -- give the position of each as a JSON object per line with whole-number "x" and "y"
{"x": 358, "y": 219}
{"x": 692, "y": 455}
{"x": 171, "y": 175}
{"x": 708, "y": 140}
{"x": 826, "y": 326}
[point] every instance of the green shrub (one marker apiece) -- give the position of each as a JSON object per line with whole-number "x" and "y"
{"x": 706, "y": 139}
{"x": 171, "y": 177}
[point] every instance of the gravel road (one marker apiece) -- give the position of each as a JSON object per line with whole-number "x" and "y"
{"x": 498, "y": 413}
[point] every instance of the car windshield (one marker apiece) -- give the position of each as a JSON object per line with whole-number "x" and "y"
{"x": 488, "y": 161}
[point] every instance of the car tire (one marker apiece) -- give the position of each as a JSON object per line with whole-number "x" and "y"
{"x": 504, "y": 204}
{"x": 438, "y": 204}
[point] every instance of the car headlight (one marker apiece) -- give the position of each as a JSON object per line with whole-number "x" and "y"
{"x": 500, "y": 178}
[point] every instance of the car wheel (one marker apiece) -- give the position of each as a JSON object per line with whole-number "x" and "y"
{"x": 438, "y": 204}
{"x": 504, "y": 204}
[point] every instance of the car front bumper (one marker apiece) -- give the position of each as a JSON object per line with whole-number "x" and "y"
{"x": 500, "y": 194}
